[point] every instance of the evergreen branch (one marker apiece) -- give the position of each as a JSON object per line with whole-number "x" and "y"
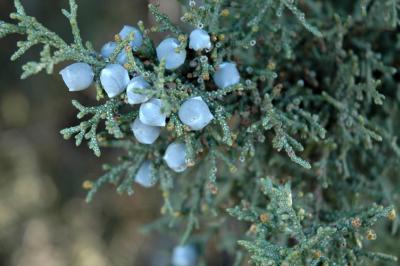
{"x": 301, "y": 17}
{"x": 112, "y": 176}
{"x": 281, "y": 140}
{"x": 37, "y": 34}
{"x": 72, "y": 17}
{"x": 323, "y": 97}
{"x": 164, "y": 23}
{"x": 88, "y": 129}
{"x": 320, "y": 242}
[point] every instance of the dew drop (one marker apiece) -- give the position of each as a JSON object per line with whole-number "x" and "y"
{"x": 203, "y": 59}
{"x": 193, "y": 63}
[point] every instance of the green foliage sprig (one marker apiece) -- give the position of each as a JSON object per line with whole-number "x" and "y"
{"x": 313, "y": 243}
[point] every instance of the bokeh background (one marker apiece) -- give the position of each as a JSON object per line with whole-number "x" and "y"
{"x": 44, "y": 220}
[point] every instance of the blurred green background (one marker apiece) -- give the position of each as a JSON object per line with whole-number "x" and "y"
{"x": 44, "y": 220}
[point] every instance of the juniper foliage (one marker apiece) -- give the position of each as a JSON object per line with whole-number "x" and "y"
{"x": 303, "y": 151}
